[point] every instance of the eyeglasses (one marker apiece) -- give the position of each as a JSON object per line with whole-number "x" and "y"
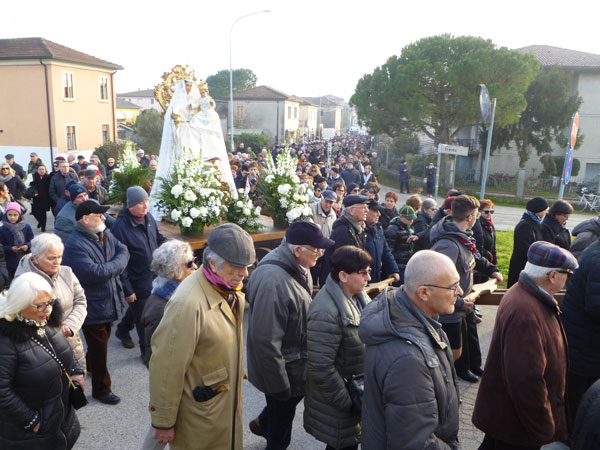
{"x": 488, "y": 211}
{"x": 191, "y": 263}
{"x": 44, "y": 306}
{"x": 316, "y": 251}
{"x": 568, "y": 272}
{"x": 451, "y": 288}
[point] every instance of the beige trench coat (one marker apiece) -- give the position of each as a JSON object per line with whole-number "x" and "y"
{"x": 198, "y": 342}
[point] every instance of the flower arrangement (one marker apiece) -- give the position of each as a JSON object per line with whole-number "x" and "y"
{"x": 192, "y": 196}
{"x": 242, "y": 212}
{"x": 128, "y": 173}
{"x": 286, "y": 199}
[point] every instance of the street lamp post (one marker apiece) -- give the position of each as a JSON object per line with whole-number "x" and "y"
{"x": 231, "y": 73}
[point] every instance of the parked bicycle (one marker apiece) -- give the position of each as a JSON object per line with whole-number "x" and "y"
{"x": 588, "y": 200}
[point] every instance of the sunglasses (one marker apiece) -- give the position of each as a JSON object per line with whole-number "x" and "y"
{"x": 189, "y": 264}
{"x": 488, "y": 211}
{"x": 567, "y": 272}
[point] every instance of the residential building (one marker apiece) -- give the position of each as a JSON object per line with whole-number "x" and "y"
{"x": 307, "y": 126}
{"x": 330, "y": 113}
{"x": 127, "y": 112}
{"x": 144, "y": 98}
{"x": 54, "y": 99}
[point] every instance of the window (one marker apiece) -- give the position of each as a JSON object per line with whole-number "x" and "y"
{"x": 71, "y": 138}
{"x": 105, "y": 133}
{"x": 103, "y": 88}
{"x": 68, "y": 85}
{"x": 296, "y": 112}
{"x": 289, "y": 112}
{"x": 240, "y": 112}
{"x": 152, "y": 101}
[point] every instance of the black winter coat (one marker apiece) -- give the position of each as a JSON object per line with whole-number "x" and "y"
{"x": 489, "y": 241}
{"x": 34, "y": 389}
{"x": 387, "y": 215}
{"x": 555, "y": 233}
{"x": 526, "y": 233}
{"x": 41, "y": 202}
{"x": 586, "y": 233}
{"x": 422, "y": 222}
{"x": 351, "y": 176}
{"x": 581, "y": 314}
{"x": 16, "y": 187}
{"x": 396, "y": 235}
{"x": 586, "y": 434}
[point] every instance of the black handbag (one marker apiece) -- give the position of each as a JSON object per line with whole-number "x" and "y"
{"x": 356, "y": 388}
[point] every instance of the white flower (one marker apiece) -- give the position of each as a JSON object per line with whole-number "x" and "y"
{"x": 306, "y": 211}
{"x": 283, "y": 189}
{"x": 295, "y": 178}
{"x": 186, "y": 222}
{"x": 175, "y": 214}
{"x": 194, "y": 212}
{"x": 257, "y": 210}
{"x": 216, "y": 210}
{"x": 239, "y": 204}
{"x": 296, "y": 197}
{"x": 176, "y": 191}
{"x": 283, "y": 202}
{"x": 203, "y": 211}
{"x": 269, "y": 178}
{"x": 246, "y": 211}
{"x": 190, "y": 196}
{"x": 293, "y": 214}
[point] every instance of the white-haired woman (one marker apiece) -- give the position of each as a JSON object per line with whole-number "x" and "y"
{"x": 172, "y": 262}
{"x": 35, "y": 359}
{"x": 44, "y": 260}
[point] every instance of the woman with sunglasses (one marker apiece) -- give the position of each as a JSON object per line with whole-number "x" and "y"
{"x": 36, "y": 365}
{"x": 12, "y": 181}
{"x": 486, "y": 209}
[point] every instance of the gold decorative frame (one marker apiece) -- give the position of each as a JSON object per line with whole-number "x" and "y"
{"x": 164, "y": 91}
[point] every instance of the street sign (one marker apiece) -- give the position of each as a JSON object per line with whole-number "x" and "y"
{"x": 569, "y": 165}
{"x": 453, "y": 150}
{"x": 484, "y": 103}
{"x": 574, "y": 128}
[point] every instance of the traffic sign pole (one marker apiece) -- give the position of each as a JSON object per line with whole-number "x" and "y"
{"x": 568, "y": 153}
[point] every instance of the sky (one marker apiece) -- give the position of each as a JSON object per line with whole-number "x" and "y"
{"x": 302, "y": 47}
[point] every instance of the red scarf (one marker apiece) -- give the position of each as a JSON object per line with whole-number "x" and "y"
{"x": 470, "y": 244}
{"x": 490, "y": 222}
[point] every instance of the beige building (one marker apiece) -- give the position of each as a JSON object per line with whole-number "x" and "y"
{"x": 144, "y": 98}
{"x": 308, "y": 119}
{"x": 54, "y": 100}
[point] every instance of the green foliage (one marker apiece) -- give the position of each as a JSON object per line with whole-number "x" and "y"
{"x": 504, "y": 248}
{"x": 218, "y": 84}
{"x": 419, "y": 162}
{"x": 255, "y": 140}
{"x": 127, "y": 177}
{"x": 109, "y": 150}
{"x": 430, "y": 87}
{"x": 560, "y": 162}
{"x": 149, "y": 126}
{"x": 550, "y": 106}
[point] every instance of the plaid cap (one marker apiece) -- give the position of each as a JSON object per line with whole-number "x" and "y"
{"x": 545, "y": 254}
{"x": 407, "y": 212}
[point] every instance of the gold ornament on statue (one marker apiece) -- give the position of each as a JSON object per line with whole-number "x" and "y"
{"x": 163, "y": 92}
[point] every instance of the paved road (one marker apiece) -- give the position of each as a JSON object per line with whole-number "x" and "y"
{"x": 124, "y": 426}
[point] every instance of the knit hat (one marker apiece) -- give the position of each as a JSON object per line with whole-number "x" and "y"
{"x": 233, "y": 244}
{"x": 536, "y": 205}
{"x": 545, "y": 254}
{"x": 407, "y": 212}
{"x": 15, "y": 207}
{"x": 135, "y": 195}
{"x": 76, "y": 189}
{"x": 448, "y": 203}
{"x": 351, "y": 187}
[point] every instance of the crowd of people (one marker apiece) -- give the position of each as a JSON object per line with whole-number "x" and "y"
{"x": 378, "y": 373}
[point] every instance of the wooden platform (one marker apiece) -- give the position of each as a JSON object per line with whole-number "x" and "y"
{"x": 495, "y": 297}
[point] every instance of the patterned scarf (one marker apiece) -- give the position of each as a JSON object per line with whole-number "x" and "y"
{"x": 17, "y": 231}
{"x": 533, "y": 216}
{"x": 220, "y": 285}
{"x": 469, "y": 244}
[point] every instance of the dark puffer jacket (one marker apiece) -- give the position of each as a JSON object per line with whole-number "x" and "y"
{"x": 555, "y": 233}
{"x": 581, "y": 314}
{"x": 489, "y": 241}
{"x": 586, "y": 233}
{"x": 586, "y": 434}
{"x": 422, "y": 222}
{"x": 526, "y": 233}
{"x": 335, "y": 352}
{"x": 396, "y": 235}
{"x": 33, "y": 388}
{"x": 411, "y": 396}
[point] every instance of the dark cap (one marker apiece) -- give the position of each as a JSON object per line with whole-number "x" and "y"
{"x": 354, "y": 199}
{"x": 329, "y": 195}
{"x": 9, "y": 156}
{"x": 89, "y": 173}
{"x": 307, "y": 233}
{"x": 80, "y": 157}
{"x": 373, "y": 205}
{"x": 59, "y": 158}
{"x": 76, "y": 189}
{"x": 545, "y": 254}
{"x": 233, "y": 244}
{"x": 536, "y": 205}
{"x": 89, "y": 207}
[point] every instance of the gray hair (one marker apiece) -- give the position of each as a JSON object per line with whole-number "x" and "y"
{"x": 23, "y": 291}
{"x": 209, "y": 253}
{"x": 536, "y": 273}
{"x": 429, "y": 203}
{"x": 293, "y": 247}
{"x": 418, "y": 270}
{"x": 44, "y": 242}
{"x": 168, "y": 259}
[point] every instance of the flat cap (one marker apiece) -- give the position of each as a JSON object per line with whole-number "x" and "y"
{"x": 545, "y": 254}
{"x": 329, "y": 195}
{"x": 373, "y": 205}
{"x": 407, "y": 212}
{"x": 9, "y": 156}
{"x": 307, "y": 233}
{"x": 536, "y": 205}
{"x": 89, "y": 207}
{"x": 355, "y": 199}
{"x": 233, "y": 244}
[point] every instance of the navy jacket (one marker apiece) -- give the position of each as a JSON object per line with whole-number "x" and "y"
{"x": 98, "y": 267}
{"x": 8, "y": 241}
{"x": 526, "y": 233}
{"x": 141, "y": 239}
{"x": 57, "y": 185}
{"x": 383, "y": 261}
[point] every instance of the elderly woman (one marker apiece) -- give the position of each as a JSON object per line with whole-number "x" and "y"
{"x": 335, "y": 351}
{"x": 44, "y": 260}
{"x": 172, "y": 262}
{"x": 554, "y": 228}
{"x": 196, "y": 368}
{"x": 35, "y": 362}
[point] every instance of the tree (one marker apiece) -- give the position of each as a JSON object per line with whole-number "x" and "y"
{"x": 430, "y": 88}
{"x": 550, "y": 106}
{"x": 148, "y": 127}
{"x": 218, "y": 84}
{"x": 257, "y": 141}
{"x": 109, "y": 150}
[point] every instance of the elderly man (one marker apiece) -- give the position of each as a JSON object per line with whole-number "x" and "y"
{"x": 81, "y": 162}
{"x": 411, "y": 396}
{"x": 138, "y": 231}
{"x": 73, "y": 164}
{"x": 324, "y": 216}
{"x": 65, "y": 220}
{"x": 382, "y": 261}
{"x": 94, "y": 190}
{"x": 279, "y": 293}
{"x": 97, "y": 260}
{"x": 58, "y": 183}
{"x": 10, "y": 160}
{"x": 203, "y": 322}
{"x": 95, "y": 160}
{"x": 34, "y": 163}
{"x": 349, "y": 229}
{"x": 521, "y": 400}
